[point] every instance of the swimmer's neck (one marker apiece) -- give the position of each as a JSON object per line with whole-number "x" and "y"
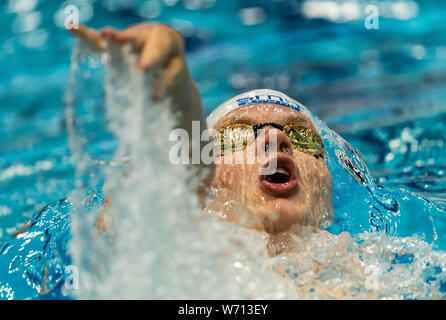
{"x": 287, "y": 241}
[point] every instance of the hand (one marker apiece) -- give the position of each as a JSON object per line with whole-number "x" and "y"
{"x": 160, "y": 48}
{"x": 90, "y": 37}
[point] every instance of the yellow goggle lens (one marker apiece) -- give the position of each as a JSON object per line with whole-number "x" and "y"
{"x": 303, "y": 139}
{"x": 238, "y": 136}
{"x": 234, "y": 137}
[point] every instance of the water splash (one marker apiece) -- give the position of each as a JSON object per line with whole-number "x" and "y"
{"x": 160, "y": 244}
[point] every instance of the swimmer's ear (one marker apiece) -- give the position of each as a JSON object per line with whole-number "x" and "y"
{"x": 89, "y": 36}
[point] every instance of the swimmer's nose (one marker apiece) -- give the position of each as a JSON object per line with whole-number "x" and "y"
{"x": 275, "y": 140}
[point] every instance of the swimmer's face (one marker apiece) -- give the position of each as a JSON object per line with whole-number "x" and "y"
{"x": 298, "y": 191}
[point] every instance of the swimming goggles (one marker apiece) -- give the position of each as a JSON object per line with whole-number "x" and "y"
{"x": 237, "y": 137}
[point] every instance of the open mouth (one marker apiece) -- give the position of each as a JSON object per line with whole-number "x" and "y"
{"x": 282, "y": 180}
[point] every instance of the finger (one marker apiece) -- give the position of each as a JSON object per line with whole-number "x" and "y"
{"x": 156, "y": 50}
{"x": 167, "y": 78}
{"x": 157, "y": 90}
{"x": 22, "y": 229}
{"x": 110, "y": 33}
{"x": 172, "y": 72}
{"x": 102, "y": 219}
{"x": 120, "y": 36}
{"x": 81, "y": 29}
{"x": 76, "y": 31}
{"x": 107, "y": 32}
{"x": 89, "y": 36}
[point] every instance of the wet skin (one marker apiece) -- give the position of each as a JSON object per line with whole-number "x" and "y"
{"x": 303, "y": 197}
{"x": 268, "y": 207}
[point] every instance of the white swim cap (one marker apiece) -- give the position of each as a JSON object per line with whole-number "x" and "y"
{"x": 256, "y": 96}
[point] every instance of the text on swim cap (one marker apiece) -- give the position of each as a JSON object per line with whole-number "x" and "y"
{"x": 268, "y": 98}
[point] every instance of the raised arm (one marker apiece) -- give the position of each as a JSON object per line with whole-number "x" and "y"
{"x": 160, "y": 50}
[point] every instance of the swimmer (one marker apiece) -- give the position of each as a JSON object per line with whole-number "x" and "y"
{"x": 297, "y": 192}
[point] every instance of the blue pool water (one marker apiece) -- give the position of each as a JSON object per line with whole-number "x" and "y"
{"x": 381, "y": 89}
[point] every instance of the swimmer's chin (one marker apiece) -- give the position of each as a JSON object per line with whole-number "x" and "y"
{"x": 282, "y": 219}
{"x": 272, "y": 215}
{"x": 275, "y": 223}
